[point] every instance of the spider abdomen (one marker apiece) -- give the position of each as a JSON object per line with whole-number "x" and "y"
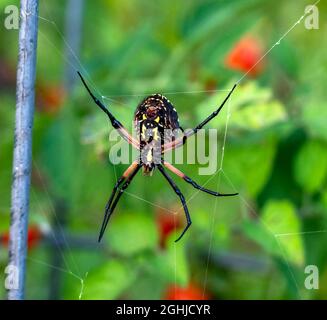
{"x": 151, "y": 139}
{"x": 155, "y": 119}
{"x": 155, "y": 106}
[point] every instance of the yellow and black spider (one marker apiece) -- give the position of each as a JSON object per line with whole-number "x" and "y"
{"x": 153, "y": 116}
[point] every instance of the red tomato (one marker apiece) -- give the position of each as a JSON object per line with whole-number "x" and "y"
{"x": 4, "y": 239}
{"x": 245, "y": 56}
{"x": 34, "y": 236}
{"x": 191, "y": 292}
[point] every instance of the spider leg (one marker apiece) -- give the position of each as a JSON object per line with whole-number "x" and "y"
{"x": 193, "y": 183}
{"x": 123, "y": 181}
{"x": 179, "y": 193}
{"x": 180, "y": 141}
{"x": 118, "y": 184}
{"x": 115, "y": 123}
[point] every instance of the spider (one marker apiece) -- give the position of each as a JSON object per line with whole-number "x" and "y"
{"x": 152, "y": 116}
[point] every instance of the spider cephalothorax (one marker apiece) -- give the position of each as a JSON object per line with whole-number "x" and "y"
{"x": 156, "y": 122}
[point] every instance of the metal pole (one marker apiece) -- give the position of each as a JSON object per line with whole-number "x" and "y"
{"x": 23, "y": 144}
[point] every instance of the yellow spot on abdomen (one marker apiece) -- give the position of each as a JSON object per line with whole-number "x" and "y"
{"x": 149, "y": 156}
{"x": 155, "y": 134}
{"x": 143, "y": 132}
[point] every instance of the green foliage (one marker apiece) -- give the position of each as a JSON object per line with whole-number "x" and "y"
{"x": 314, "y": 116}
{"x": 131, "y": 233}
{"x": 283, "y": 222}
{"x": 60, "y": 154}
{"x": 178, "y": 49}
{"x": 106, "y": 282}
{"x": 251, "y": 108}
{"x": 310, "y": 165}
{"x": 253, "y": 165}
{"x": 172, "y": 265}
{"x": 278, "y": 231}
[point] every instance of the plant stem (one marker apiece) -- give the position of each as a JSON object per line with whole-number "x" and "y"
{"x": 25, "y": 97}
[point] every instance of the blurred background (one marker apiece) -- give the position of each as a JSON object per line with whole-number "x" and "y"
{"x": 273, "y": 133}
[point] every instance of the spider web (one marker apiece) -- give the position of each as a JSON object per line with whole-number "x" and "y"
{"x": 70, "y": 265}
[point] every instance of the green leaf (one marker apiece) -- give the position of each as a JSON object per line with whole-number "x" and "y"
{"x": 177, "y": 261}
{"x": 172, "y": 265}
{"x": 251, "y": 107}
{"x": 282, "y": 220}
{"x": 311, "y": 165}
{"x": 258, "y": 116}
{"x": 257, "y": 232}
{"x": 106, "y": 282}
{"x": 218, "y": 233}
{"x": 314, "y": 115}
{"x": 253, "y": 165}
{"x": 131, "y": 233}
{"x": 279, "y": 231}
